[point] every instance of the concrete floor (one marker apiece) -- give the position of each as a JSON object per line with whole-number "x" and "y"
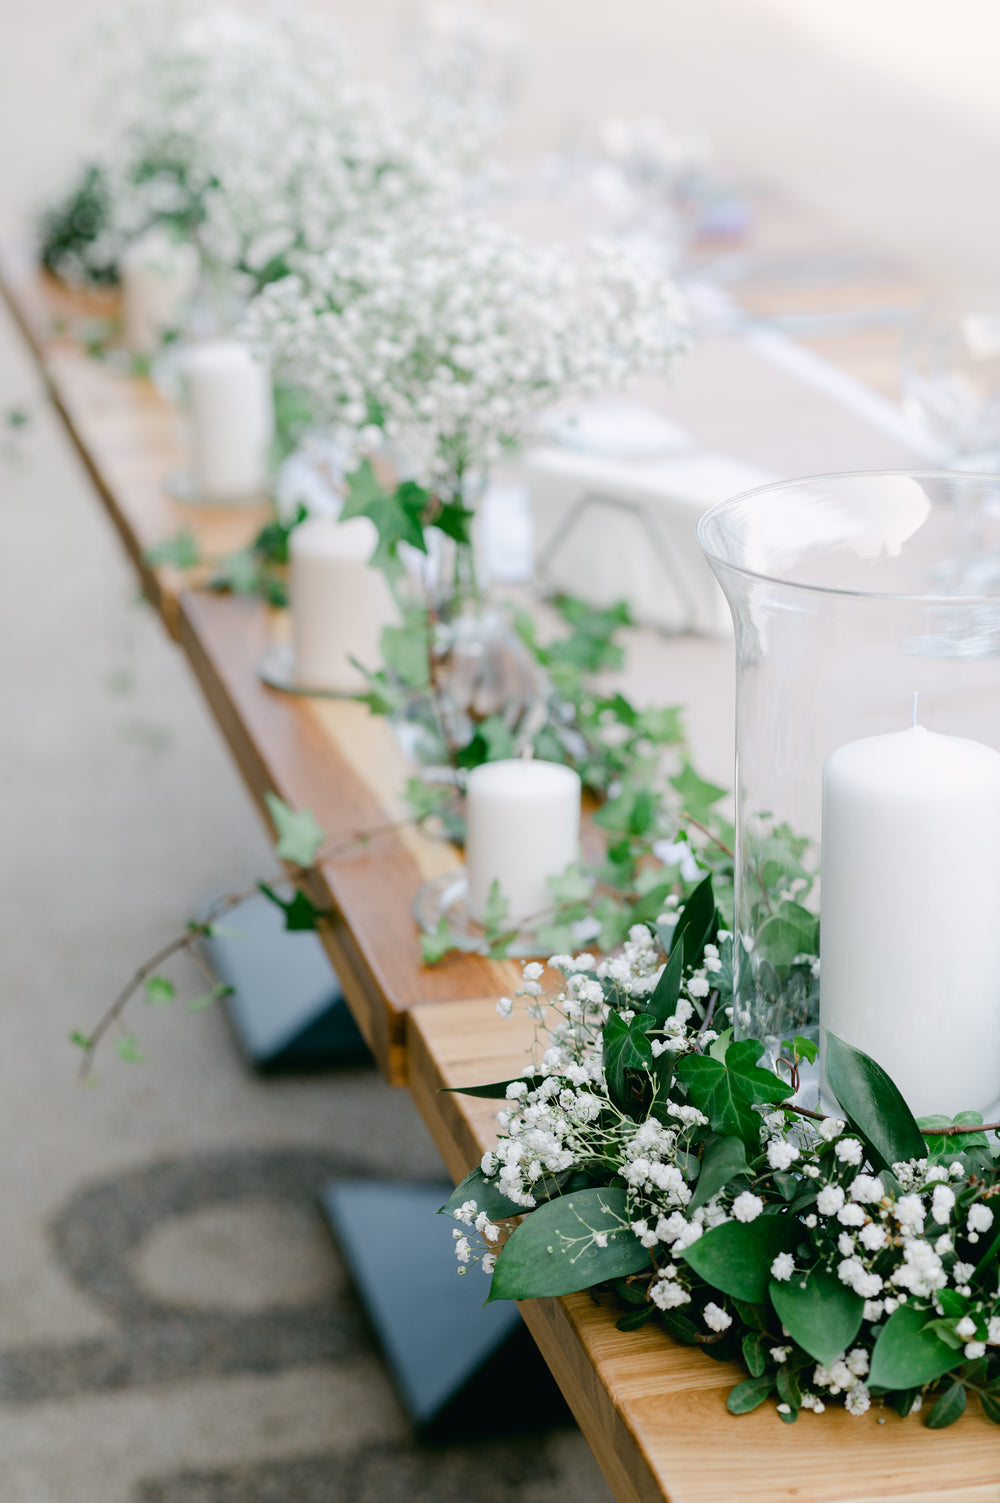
{"x": 131, "y": 1367}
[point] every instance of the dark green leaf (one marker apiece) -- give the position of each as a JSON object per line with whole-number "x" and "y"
{"x": 301, "y": 913}
{"x": 455, "y": 521}
{"x": 991, "y": 1408}
{"x": 753, "y": 1354}
{"x": 949, "y": 1408}
{"x": 722, "y": 1160}
{"x": 800, "y": 1048}
{"x": 824, "y": 1317}
{"x": 487, "y": 1195}
{"x": 905, "y": 1354}
{"x": 553, "y": 1251}
{"x": 789, "y": 1391}
{"x": 904, "y": 1399}
{"x": 634, "y": 1320}
{"x": 939, "y": 1147}
{"x": 496, "y": 1090}
{"x": 749, "y": 1395}
{"x": 696, "y": 922}
{"x": 300, "y": 838}
{"x": 625, "y": 1048}
{"x": 662, "y": 1003}
{"x": 737, "y": 1256}
{"x": 873, "y": 1106}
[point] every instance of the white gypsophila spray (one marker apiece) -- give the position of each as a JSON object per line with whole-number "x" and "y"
{"x": 252, "y": 127}
{"x": 451, "y": 334}
{"x": 908, "y": 1236}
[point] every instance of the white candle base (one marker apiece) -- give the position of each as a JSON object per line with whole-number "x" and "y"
{"x": 340, "y": 604}
{"x": 232, "y": 420}
{"x": 522, "y": 828}
{"x": 910, "y": 913}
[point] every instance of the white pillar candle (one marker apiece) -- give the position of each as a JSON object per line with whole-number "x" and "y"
{"x": 158, "y": 275}
{"x": 339, "y": 602}
{"x": 232, "y": 419}
{"x": 522, "y": 827}
{"x": 910, "y": 915}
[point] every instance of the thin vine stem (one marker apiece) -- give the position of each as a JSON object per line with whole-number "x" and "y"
{"x": 956, "y": 1130}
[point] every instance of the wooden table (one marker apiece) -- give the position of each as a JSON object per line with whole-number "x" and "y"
{"x": 653, "y": 1412}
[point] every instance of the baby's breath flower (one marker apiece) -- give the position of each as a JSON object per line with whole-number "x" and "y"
{"x": 716, "y": 1318}
{"x": 849, "y": 1151}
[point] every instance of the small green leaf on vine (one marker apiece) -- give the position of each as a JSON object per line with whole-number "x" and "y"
{"x": 300, "y": 838}
{"x": 159, "y": 990}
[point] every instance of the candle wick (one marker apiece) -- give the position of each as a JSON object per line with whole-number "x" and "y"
{"x": 527, "y": 752}
{"x": 916, "y": 694}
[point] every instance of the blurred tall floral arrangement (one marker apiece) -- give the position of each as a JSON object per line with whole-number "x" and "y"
{"x": 435, "y": 345}
{"x": 249, "y": 129}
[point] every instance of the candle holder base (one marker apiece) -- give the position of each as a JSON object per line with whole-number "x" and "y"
{"x": 276, "y": 668}
{"x": 446, "y": 897}
{"x": 180, "y": 485}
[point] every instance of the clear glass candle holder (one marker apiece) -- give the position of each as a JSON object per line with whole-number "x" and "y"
{"x": 866, "y": 605}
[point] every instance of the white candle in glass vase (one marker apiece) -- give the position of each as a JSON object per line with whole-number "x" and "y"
{"x": 157, "y": 275}
{"x": 522, "y": 827}
{"x": 232, "y": 419}
{"x": 910, "y": 913}
{"x": 339, "y": 602}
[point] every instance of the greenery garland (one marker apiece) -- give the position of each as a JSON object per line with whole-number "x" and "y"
{"x": 662, "y": 1164}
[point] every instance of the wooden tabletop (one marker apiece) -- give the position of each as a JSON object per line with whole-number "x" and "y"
{"x": 653, "y": 1412}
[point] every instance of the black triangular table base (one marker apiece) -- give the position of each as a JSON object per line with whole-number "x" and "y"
{"x": 460, "y": 1367}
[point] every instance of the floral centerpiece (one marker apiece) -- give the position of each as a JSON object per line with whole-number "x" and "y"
{"x": 441, "y": 340}
{"x": 250, "y": 129}
{"x": 657, "y": 1161}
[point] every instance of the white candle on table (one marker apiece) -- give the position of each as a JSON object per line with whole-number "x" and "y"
{"x": 522, "y": 827}
{"x": 910, "y": 916}
{"x": 157, "y": 275}
{"x": 339, "y": 602}
{"x": 232, "y": 419}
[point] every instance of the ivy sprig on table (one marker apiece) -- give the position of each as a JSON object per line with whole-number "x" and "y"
{"x": 665, "y": 1165}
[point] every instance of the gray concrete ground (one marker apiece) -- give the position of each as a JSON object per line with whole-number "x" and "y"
{"x": 174, "y": 1324}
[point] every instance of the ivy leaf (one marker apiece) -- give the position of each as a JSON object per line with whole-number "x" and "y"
{"x": 405, "y": 653}
{"x": 574, "y": 885}
{"x": 800, "y": 1048}
{"x": 553, "y": 1251}
{"x": 438, "y": 944}
{"x": 749, "y": 1395}
{"x": 906, "y": 1355}
{"x": 127, "y": 1048}
{"x": 820, "y": 1313}
{"x": 159, "y": 990}
{"x": 697, "y": 796}
{"x": 737, "y": 1256}
{"x": 942, "y": 1146}
{"x": 301, "y": 913}
{"x": 487, "y": 1195}
{"x": 454, "y": 520}
{"x": 398, "y": 517}
{"x": 625, "y": 1047}
{"x": 873, "y": 1106}
{"x": 727, "y": 1090}
{"x": 80, "y": 1039}
{"x": 949, "y": 1408}
{"x": 424, "y": 800}
{"x": 299, "y": 836}
{"x": 791, "y": 931}
{"x": 203, "y": 1003}
{"x": 722, "y": 1160}
{"x": 665, "y": 726}
{"x": 182, "y": 551}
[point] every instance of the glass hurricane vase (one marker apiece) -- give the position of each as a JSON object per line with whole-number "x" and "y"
{"x": 867, "y": 616}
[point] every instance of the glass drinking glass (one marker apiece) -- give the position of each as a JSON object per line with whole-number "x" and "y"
{"x": 862, "y": 608}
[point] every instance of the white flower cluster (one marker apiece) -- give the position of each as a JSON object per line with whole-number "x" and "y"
{"x": 891, "y": 1238}
{"x": 451, "y": 333}
{"x": 250, "y": 126}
